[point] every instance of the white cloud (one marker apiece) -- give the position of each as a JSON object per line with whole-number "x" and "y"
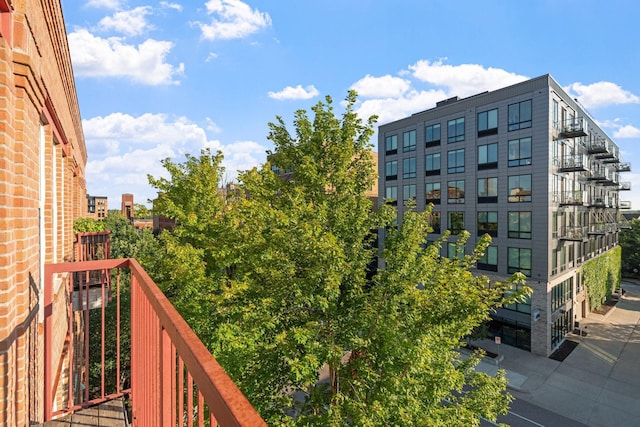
{"x": 389, "y": 109}
{"x": 174, "y": 6}
{"x": 381, "y": 87}
{"x": 297, "y": 92}
{"x": 232, "y": 19}
{"x": 105, "y": 4}
{"x": 211, "y": 57}
{"x": 601, "y": 94}
{"x": 465, "y": 79}
{"x": 627, "y": 131}
{"x": 94, "y": 56}
{"x": 132, "y": 147}
{"x": 129, "y": 22}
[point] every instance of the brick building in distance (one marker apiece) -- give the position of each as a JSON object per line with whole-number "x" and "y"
{"x": 42, "y": 190}
{"x": 97, "y": 207}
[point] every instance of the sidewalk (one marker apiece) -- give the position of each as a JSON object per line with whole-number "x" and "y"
{"x": 598, "y": 384}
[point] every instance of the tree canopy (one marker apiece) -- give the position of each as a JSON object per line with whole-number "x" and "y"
{"x": 630, "y": 244}
{"x": 273, "y": 278}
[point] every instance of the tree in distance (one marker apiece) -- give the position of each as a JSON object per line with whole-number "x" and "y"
{"x": 273, "y": 278}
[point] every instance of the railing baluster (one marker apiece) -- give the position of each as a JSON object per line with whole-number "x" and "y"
{"x": 189, "y": 399}
{"x": 200, "y": 410}
{"x": 180, "y": 392}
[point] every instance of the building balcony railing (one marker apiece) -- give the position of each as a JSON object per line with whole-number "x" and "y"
{"x": 597, "y": 203}
{"x": 597, "y": 146}
{"x": 624, "y": 186}
{"x": 601, "y": 228}
{"x": 623, "y": 167}
{"x": 623, "y": 223}
{"x": 135, "y": 345}
{"x": 624, "y": 204}
{"x": 573, "y": 127}
{"x": 572, "y": 233}
{"x": 571, "y": 198}
{"x": 574, "y": 163}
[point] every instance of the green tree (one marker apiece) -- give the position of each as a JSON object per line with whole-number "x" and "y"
{"x": 279, "y": 272}
{"x": 87, "y": 225}
{"x": 630, "y": 244}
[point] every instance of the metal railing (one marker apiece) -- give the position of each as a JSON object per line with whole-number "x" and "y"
{"x": 170, "y": 377}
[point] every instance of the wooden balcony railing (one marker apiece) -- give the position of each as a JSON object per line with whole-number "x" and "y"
{"x": 145, "y": 351}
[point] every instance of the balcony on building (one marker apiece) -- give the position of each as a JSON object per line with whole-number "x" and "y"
{"x": 572, "y": 233}
{"x": 597, "y": 202}
{"x": 571, "y": 198}
{"x": 601, "y": 228}
{"x": 575, "y": 163}
{"x": 623, "y": 167}
{"x": 610, "y": 156}
{"x": 573, "y": 127}
{"x": 624, "y": 204}
{"x": 597, "y": 145}
{"x": 624, "y": 186}
{"x": 624, "y": 223}
{"x": 153, "y": 360}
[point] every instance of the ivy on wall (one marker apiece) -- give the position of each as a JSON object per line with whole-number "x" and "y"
{"x": 601, "y": 276}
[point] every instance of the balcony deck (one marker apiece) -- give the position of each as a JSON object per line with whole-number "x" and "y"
{"x": 107, "y": 414}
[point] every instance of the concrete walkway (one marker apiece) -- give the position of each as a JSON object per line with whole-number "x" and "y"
{"x": 598, "y": 384}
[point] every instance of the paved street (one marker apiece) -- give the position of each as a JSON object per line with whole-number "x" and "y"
{"x": 598, "y": 384}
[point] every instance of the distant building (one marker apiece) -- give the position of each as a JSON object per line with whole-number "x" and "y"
{"x": 529, "y": 166}
{"x": 97, "y": 207}
{"x": 127, "y": 208}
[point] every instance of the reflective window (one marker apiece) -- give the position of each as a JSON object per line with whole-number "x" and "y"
{"x": 455, "y": 130}
{"x": 520, "y": 115}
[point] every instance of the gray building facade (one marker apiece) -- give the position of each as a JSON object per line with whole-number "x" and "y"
{"x": 528, "y": 165}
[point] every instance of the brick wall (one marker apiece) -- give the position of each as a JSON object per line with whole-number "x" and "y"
{"x": 39, "y": 119}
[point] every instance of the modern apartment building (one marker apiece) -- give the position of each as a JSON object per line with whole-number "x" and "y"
{"x": 97, "y": 207}
{"x": 528, "y": 165}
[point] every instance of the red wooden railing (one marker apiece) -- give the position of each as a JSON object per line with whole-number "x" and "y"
{"x": 172, "y": 379}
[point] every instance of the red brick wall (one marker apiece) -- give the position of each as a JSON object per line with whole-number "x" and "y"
{"x": 36, "y": 88}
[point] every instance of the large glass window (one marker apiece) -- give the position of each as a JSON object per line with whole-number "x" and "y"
{"x": 409, "y": 168}
{"x": 455, "y": 130}
{"x": 456, "y": 222}
{"x": 520, "y": 225}
{"x": 391, "y": 144}
{"x": 455, "y": 192}
{"x": 391, "y": 170}
{"x": 488, "y": 190}
{"x": 488, "y": 156}
{"x": 489, "y": 260}
{"x": 554, "y": 114}
{"x": 434, "y": 222}
{"x": 432, "y": 192}
{"x": 391, "y": 195}
{"x": 409, "y": 141}
{"x": 432, "y": 135}
{"x": 520, "y": 152}
{"x": 408, "y": 192}
{"x": 520, "y": 115}
{"x": 488, "y": 223}
{"x": 455, "y": 251}
{"x": 432, "y": 164}
{"x": 519, "y": 259}
{"x": 455, "y": 161}
{"x": 520, "y": 188}
{"x": 488, "y": 122}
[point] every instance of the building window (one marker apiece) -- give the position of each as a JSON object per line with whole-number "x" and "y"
{"x": 455, "y": 251}
{"x": 488, "y": 190}
{"x": 520, "y": 115}
{"x": 520, "y": 306}
{"x": 520, "y": 152}
{"x": 432, "y": 135}
{"x": 409, "y": 141}
{"x": 520, "y": 188}
{"x": 432, "y": 192}
{"x": 434, "y": 221}
{"x": 488, "y": 223}
{"x": 488, "y": 122}
{"x": 488, "y": 156}
{"x": 561, "y": 293}
{"x": 391, "y": 170}
{"x": 391, "y": 195}
{"x": 432, "y": 164}
{"x": 456, "y": 222}
{"x": 455, "y": 162}
{"x": 409, "y": 168}
{"x": 455, "y": 130}
{"x": 455, "y": 192}
{"x": 520, "y": 225}
{"x": 519, "y": 260}
{"x": 489, "y": 259}
{"x": 391, "y": 144}
{"x": 408, "y": 192}
{"x": 554, "y": 114}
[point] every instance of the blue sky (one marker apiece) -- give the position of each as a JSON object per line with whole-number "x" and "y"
{"x": 159, "y": 79}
